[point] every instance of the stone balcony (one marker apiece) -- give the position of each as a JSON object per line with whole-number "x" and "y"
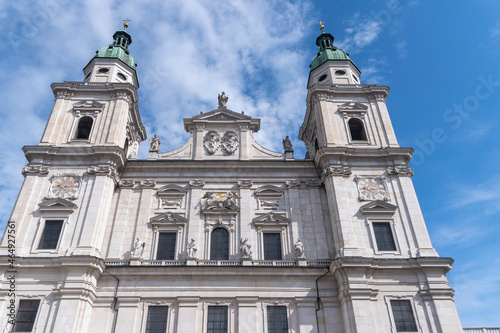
{"x": 199, "y": 262}
{"x": 482, "y": 330}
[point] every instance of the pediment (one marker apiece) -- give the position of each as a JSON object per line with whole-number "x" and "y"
{"x": 269, "y": 190}
{"x": 222, "y": 114}
{"x": 57, "y": 205}
{"x": 378, "y": 207}
{"x": 171, "y": 190}
{"x": 353, "y": 106}
{"x": 271, "y": 219}
{"x": 168, "y": 218}
{"x": 88, "y": 105}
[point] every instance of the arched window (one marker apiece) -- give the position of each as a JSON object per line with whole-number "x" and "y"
{"x": 357, "y": 130}
{"x": 219, "y": 244}
{"x": 84, "y": 127}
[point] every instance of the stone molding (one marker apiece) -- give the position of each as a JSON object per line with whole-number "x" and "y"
{"x": 65, "y": 94}
{"x": 39, "y": 170}
{"x": 403, "y": 170}
{"x": 200, "y": 127}
{"x": 122, "y": 95}
{"x": 313, "y": 183}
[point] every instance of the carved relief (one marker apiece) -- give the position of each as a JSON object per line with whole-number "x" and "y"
{"x": 292, "y": 183}
{"x": 313, "y": 183}
{"x": 40, "y": 170}
{"x": 126, "y": 183}
{"x": 245, "y": 183}
{"x": 148, "y": 183}
{"x": 269, "y": 196}
{"x": 341, "y": 170}
{"x": 230, "y": 142}
{"x": 66, "y": 94}
{"x": 244, "y": 127}
{"x": 350, "y": 110}
{"x": 172, "y": 196}
{"x": 197, "y": 183}
{"x": 324, "y": 96}
{"x": 200, "y": 127}
{"x": 220, "y": 202}
{"x": 122, "y": 95}
{"x": 104, "y": 170}
{"x": 211, "y": 141}
{"x": 403, "y": 170}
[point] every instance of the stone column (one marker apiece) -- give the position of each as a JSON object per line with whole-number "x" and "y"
{"x": 187, "y": 319}
{"x": 306, "y": 308}
{"x": 95, "y": 213}
{"x": 337, "y": 192}
{"x": 129, "y": 315}
{"x": 195, "y": 227}
{"x": 247, "y": 315}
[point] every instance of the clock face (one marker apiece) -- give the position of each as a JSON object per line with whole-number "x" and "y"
{"x": 65, "y": 187}
{"x": 371, "y": 189}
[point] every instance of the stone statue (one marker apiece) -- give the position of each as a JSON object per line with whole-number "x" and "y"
{"x": 287, "y": 144}
{"x": 223, "y": 100}
{"x": 155, "y": 143}
{"x": 191, "y": 250}
{"x": 138, "y": 248}
{"x": 230, "y": 200}
{"x": 245, "y": 248}
{"x": 133, "y": 150}
{"x": 299, "y": 249}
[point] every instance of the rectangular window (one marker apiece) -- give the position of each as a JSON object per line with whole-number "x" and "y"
{"x": 157, "y": 319}
{"x": 217, "y": 319}
{"x": 403, "y": 316}
{"x": 166, "y": 246}
{"x": 50, "y": 236}
{"x": 26, "y": 315}
{"x": 277, "y": 319}
{"x": 272, "y": 246}
{"x": 383, "y": 236}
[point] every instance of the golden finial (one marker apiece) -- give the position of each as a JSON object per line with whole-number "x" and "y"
{"x": 125, "y": 25}
{"x": 321, "y": 26}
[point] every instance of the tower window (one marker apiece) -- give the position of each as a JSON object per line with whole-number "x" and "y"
{"x": 157, "y": 319}
{"x": 357, "y": 130}
{"x": 121, "y": 76}
{"x": 103, "y": 70}
{"x": 84, "y": 127}
{"x": 383, "y": 236}
{"x": 322, "y": 77}
{"x": 26, "y": 315}
{"x": 219, "y": 244}
{"x": 339, "y": 72}
{"x": 277, "y": 319}
{"x": 50, "y": 236}
{"x": 403, "y": 316}
{"x": 272, "y": 246}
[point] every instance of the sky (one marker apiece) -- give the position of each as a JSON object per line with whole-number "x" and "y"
{"x": 440, "y": 59}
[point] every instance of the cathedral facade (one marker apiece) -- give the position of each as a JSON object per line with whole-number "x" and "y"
{"x": 220, "y": 234}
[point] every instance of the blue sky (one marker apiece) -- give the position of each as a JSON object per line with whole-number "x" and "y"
{"x": 440, "y": 59}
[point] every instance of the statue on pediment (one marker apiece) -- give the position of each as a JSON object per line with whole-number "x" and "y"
{"x": 287, "y": 144}
{"x": 223, "y": 100}
{"x": 155, "y": 143}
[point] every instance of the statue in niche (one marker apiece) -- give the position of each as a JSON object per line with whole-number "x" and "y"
{"x": 155, "y": 143}
{"x": 245, "y": 248}
{"x": 299, "y": 249}
{"x": 223, "y": 100}
{"x": 138, "y": 248}
{"x": 134, "y": 150}
{"x": 287, "y": 144}
{"x": 191, "y": 249}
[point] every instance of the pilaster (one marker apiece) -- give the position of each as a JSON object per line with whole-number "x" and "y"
{"x": 188, "y": 319}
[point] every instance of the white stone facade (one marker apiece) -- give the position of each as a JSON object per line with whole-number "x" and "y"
{"x": 102, "y": 275}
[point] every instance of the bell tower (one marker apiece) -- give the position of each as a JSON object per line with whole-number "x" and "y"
{"x": 93, "y": 130}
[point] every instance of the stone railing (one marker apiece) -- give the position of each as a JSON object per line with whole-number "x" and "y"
{"x": 482, "y": 330}
{"x": 199, "y": 262}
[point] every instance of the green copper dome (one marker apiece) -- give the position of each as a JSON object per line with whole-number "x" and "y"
{"x": 119, "y": 49}
{"x": 328, "y": 52}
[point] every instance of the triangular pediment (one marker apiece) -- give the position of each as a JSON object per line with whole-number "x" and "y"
{"x": 269, "y": 190}
{"x": 353, "y": 106}
{"x": 57, "y": 205}
{"x": 222, "y": 115}
{"x": 168, "y": 218}
{"x": 271, "y": 219}
{"x": 88, "y": 105}
{"x": 378, "y": 207}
